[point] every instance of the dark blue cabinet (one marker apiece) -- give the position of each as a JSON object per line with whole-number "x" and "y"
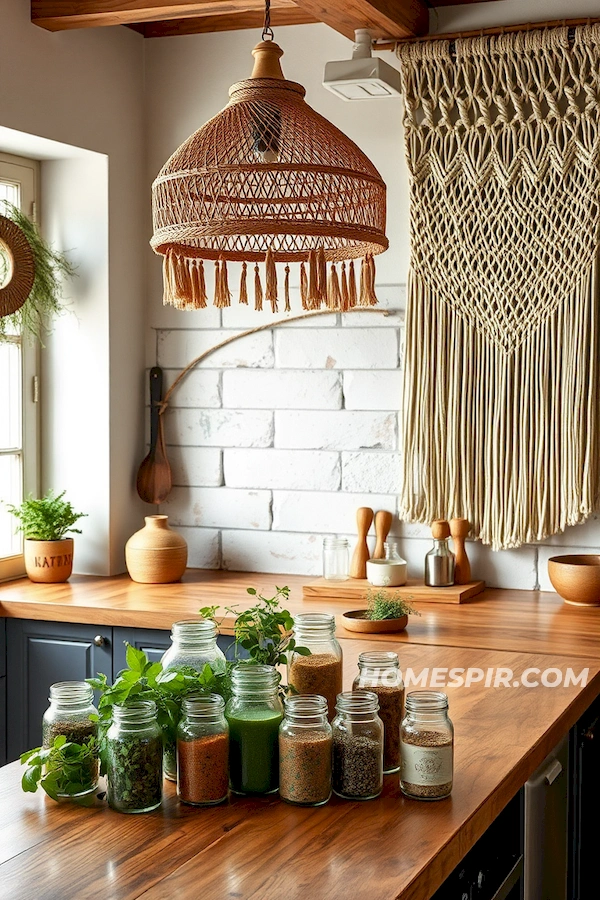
{"x": 2, "y": 692}
{"x": 39, "y": 654}
{"x": 152, "y": 641}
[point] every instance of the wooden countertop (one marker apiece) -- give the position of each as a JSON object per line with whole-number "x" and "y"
{"x": 386, "y": 849}
{"x": 525, "y": 621}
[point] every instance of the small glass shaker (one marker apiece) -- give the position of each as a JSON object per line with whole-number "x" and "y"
{"x": 336, "y": 559}
{"x": 439, "y": 562}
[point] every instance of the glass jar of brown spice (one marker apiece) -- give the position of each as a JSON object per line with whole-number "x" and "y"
{"x": 321, "y": 672}
{"x": 203, "y": 751}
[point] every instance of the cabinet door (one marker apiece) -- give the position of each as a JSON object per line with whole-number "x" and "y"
{"x": 39, "y": 654}
{"x": 2, "y": 721}
{"x": 152, "y": 641}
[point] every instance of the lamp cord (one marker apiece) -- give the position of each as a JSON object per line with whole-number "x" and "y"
{"x": 267, "y": 32}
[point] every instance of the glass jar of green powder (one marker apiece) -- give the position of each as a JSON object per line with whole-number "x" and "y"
{"x": 193, "y": 646}
{"x": 134, "y": 758}
{"x": 254, "y": 713}
{"x": 305, "y": 751}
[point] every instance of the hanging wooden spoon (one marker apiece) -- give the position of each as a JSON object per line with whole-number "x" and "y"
{"x": 154, "y": 474}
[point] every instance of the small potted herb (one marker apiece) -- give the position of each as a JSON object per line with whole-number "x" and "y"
{"x": 45, "y": 524}
{"x": 386, "y": 611}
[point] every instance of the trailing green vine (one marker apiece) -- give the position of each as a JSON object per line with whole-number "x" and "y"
{"x": 46, "y": 298}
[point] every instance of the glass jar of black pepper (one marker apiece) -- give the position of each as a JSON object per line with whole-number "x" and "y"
{"x": 72, "y": 715}
{"x": 134, "y": 758}
{"x": 357, "y": 746}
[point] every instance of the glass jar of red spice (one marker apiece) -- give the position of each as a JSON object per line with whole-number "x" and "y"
{"x": 203, "y": 751}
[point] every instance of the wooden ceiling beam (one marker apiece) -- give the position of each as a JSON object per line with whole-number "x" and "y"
{"x": 60, "y": 15}
{"x": 223, "y": 22}
{"x": 384, "y": 18}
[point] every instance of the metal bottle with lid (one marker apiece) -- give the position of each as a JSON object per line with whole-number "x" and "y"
{"x": 439, "y": 562}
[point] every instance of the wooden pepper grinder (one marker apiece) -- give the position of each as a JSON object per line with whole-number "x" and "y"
{"x": 358, "y": 565}
{"x": 383, "y": 523}
{"x": 459, "y": 529}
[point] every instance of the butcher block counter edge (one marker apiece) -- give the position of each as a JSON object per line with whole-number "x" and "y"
{"x": 526, "y": 621}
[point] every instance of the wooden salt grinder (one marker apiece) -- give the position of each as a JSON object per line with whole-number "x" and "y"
{"x": 459, "y": 529}
{"x": 383, "y": 523}
{"x": 358, "y": 565}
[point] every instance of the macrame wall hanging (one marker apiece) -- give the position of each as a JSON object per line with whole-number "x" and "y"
{"x": 269, "y": 180}
{"x": 501, "y": 405}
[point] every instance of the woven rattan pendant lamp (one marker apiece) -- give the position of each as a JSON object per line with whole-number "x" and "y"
{"x": 269, "y": 180}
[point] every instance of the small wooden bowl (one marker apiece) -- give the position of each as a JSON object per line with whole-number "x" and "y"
{"x": 355, "y": 620}
{"x": 576, "y": 578}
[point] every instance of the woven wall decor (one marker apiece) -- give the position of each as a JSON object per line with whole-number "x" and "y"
{"x": 501, "y": 402}
{"x": 20, "y": 266}
{"x": 269, "y": 180}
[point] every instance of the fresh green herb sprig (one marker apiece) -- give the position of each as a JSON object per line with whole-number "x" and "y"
{"x": 264, "y": 630}
{"x": 65, "y": 768}
{"x": 381, "y": 605}
{"x": 48, "y": 518}
{"x": 145, "y": 680}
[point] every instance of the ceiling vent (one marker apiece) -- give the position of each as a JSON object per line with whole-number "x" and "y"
{"x": 362, "y": 77}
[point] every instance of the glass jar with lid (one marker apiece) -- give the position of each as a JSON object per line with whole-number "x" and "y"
{"x": 357, "y": 746}
{"x": 254, "y": 713}
{"x": 426, "y": 746}
{"x": 305, "y": 743}
{"x": 194, "y": 645}
{"x": 134, "y": 758}
{"x": 379, "y": 672}
{"x": 321, "y": 671}
{"x": 203, "y": 751}
{"x": 336, "y": 559}
{"x": 72, "y": 714}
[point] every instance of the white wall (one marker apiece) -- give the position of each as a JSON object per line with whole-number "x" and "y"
{"x": 276, "y": 441}
{"x": 268, "y": 505}
{"x": 85, "y": 89}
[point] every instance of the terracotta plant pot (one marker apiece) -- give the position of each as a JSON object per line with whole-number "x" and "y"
{"x": 576, "y": 578}
{"x": 156, "y": 554}
{"x": 48, "y": 562}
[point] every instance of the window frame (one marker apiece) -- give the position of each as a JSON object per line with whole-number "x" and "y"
{"x": 26, "y": 173}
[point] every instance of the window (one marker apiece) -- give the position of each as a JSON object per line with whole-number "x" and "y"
{"x": 19, "y": 463}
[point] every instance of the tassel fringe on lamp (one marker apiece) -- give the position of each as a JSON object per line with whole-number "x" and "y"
{"x": 269, "y": 180}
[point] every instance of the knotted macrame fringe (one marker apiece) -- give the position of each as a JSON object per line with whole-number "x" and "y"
{"x": 501, "y": 397}
{"x": 512, "y": 441}
{"x": 185, "y": 288}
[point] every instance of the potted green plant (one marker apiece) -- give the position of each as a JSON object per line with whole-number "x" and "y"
{"x": 44, "y": 523}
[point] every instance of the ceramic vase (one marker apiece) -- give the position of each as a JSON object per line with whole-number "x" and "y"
{"x": 48, "y": 562}
{"x": 156, "y": 554}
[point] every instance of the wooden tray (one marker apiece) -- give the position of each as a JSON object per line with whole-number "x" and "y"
{"x": 414, "y": 589}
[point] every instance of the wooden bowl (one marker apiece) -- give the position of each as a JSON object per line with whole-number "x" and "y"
{"x": 355, "y": 620}
{"x": 576, "y": 578}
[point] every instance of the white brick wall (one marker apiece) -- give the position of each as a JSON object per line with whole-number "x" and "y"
{"x": 277, "y": 389}
{"x": 304, "y": 470}
{"x": 275, "y": 440}
{"x": 342, "y": 430}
